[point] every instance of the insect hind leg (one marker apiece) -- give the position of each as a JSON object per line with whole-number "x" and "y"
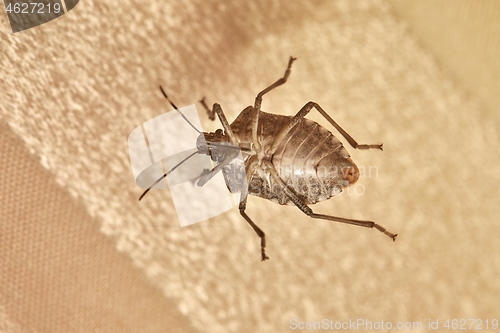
{"x": 308, "y": 211}
{"x": 360, "y": 223}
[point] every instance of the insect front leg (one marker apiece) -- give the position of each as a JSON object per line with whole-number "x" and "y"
{"x": 258, "y": 103}
{"x": 211, "y": 113}
{"x": 308, "y": 211}
{"x": 225, "y": 124}
{"x": 231, "y": 154}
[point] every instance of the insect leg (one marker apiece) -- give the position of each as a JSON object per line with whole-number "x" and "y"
{"x": 308, "y": 211}
{"x": 250, "y": 167}
{"x": 258, "y": 99}
{"x": 258, "y": 102}
{"x": 225, "y": 124}
{"x": 222, "y": 118}
{"x": 303, "y": 112}
{"x": 211, "y": 113}
{"x": 232, "y": 154}
{"x": 260, "y": 233}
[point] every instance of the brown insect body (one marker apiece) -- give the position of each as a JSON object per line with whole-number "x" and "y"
{"x": 288, "y": 160}
{"x": 310, "y": 159}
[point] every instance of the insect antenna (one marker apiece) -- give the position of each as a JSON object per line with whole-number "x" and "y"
{"x": 177, "y": 109}
{"x": 181, "y": 162}
{"x": 166, "y": 174}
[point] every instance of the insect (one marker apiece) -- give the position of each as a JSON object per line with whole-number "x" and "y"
{"x": 288, "y": 160}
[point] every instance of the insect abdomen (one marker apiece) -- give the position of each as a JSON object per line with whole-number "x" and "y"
{"x": 310, "y": 159}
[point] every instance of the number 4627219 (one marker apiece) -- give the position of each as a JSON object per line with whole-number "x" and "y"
{"x": 476, "y": 324}
{"x": 33, "y": 8}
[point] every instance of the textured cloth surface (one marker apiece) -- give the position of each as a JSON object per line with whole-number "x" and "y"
{"x": 73, "y": 89}
{"x": 57, "y": 272}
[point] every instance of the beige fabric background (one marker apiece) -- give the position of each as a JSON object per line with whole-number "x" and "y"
{"x": 80, "y": 254}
